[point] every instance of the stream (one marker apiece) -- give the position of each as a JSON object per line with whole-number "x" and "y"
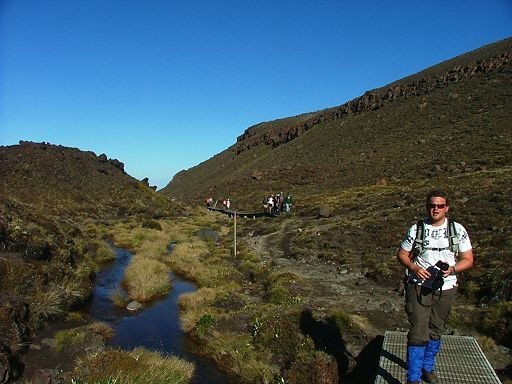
{"x": 156, "y": 327}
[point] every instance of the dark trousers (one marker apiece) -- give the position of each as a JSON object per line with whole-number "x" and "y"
{"x": 427, "y": 312}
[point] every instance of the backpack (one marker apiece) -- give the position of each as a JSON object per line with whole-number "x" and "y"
{"x": 420, "y": 236}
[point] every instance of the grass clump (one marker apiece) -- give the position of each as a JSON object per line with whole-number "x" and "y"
{"x": 345, "y": 323}
{"x": 146, "y": 279}
{"x": 45, "y": 305}
{"x": 137, "y": 366}
{"x": 69, "y": 338}
{"x": 204, "y": 324}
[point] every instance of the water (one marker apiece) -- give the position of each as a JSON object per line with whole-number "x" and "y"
{"x": 156, "y": 327}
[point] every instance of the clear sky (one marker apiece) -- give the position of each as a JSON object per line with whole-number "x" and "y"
{"x": 164, "y": 85}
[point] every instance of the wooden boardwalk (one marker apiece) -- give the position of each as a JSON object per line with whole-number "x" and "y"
{"x": 250, "y": 215}
{"x": 460, "y": 361}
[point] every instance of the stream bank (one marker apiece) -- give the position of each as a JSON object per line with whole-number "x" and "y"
{"x": 156, "y": 327}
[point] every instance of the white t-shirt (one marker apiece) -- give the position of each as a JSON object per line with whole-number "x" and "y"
{"x": 437, "y": 237}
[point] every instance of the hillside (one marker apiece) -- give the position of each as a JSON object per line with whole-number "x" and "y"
{"x": 457, "y": 112}
{"x": 53, "y": 200}
{"x": 359, "y": 174}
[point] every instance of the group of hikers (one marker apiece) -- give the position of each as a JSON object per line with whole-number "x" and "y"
{"x": 273, "y": 203}
{"x": 226, "y": 203}
{"x": 277, "y": 203}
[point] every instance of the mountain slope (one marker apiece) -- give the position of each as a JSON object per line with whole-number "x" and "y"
{"x": 453, "y": 117}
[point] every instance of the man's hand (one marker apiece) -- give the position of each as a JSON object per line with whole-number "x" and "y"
{"x": 422, "y": 273}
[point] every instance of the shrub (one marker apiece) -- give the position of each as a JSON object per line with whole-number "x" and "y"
{"x": 497, "y": 323}
{"x": 277, "y": 295}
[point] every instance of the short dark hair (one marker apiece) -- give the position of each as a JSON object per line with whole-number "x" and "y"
{"x": 437, "y": 193}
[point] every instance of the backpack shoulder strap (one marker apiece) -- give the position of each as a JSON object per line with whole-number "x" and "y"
{"x": 453, "y": 237}
{"x": 420, "y": 236}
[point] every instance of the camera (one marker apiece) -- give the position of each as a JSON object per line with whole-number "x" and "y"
{"x": 435, "y": 281}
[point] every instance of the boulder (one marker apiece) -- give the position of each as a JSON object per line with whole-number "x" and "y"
{"x": 134, "y": 306}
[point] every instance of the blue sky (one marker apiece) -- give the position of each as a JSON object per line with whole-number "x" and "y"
{"x": 164, "y": 85}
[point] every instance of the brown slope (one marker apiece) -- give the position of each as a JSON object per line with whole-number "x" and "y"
{"x": 67, "y": 182}
{"x": 454, "y": 116}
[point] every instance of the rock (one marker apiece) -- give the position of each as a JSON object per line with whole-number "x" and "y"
{"x": 281, "y": 262}
{"x": 207, "y": 234}
{"x": 257, "y": 175}
{"x": 170, "y": 247}
{"x": 42, "y": 376}
{"x": 49, "y": 342}
{"x": 325, "y": 211}
{"x": 116, "y": 163}
{"x": 134, "y": 306}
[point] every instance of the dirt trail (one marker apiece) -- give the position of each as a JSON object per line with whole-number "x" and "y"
{"x": 377, "y": 308}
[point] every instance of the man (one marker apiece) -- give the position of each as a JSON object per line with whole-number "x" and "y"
{"x": 288, "y": 202}
{"x": 428, "y": 307}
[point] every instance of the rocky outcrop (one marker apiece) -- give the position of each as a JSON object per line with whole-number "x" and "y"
{"x": 370, "y": 101}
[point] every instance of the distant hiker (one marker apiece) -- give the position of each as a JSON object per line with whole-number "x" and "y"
{"x": 278, "y": 203}
{"x": 288, "y": 201}
{"x": 265, "y": 203}
{"x": 228, "y": 203}
{"x": 270, "y": 203}
{"x": 434, "y": 251}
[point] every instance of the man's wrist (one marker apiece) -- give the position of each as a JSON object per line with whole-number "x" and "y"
{"x": 454, "y": 271}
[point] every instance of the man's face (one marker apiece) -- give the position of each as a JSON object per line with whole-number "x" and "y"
{"x": 437, "y": 209}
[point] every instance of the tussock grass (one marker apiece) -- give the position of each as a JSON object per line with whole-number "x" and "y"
{"x": 239, "y": 354}
{"x": 104, "y": 254}
{"x": 192, "y": 307}
{"x": 137, "y": 366}
{"x": 119, "y": 298}
{"x": 46, "y": 305}
{"x": 146, "y": 278}
{"x": 102, "y": 329}
{"x": 187, "y": 260}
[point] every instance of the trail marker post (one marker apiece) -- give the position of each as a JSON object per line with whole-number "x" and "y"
{"x": 234, "y": 230}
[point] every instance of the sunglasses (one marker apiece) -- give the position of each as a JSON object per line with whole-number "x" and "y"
{"x": 438, "y": 206}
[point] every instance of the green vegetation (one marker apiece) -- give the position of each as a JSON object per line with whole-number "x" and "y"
{"x": 137, "y": 366}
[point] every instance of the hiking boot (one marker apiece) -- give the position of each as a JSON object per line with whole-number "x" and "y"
{"x": 429, "y": 377}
